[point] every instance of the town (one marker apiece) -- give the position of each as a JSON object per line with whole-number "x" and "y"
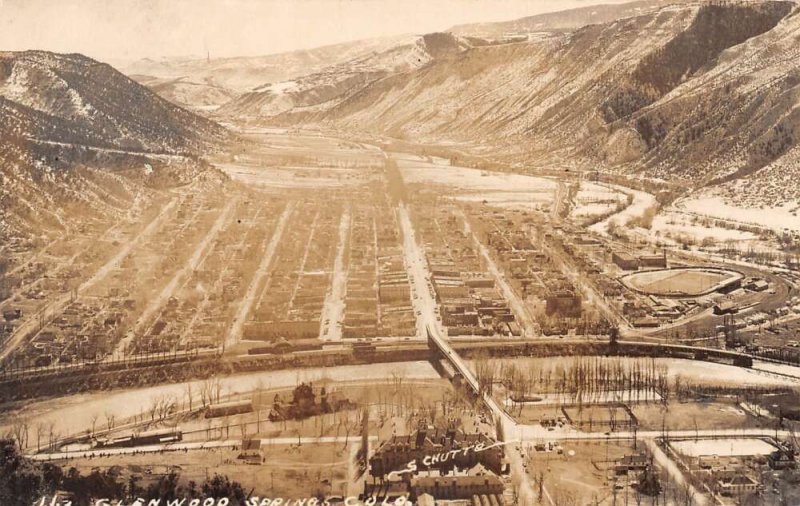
{"x": 461, "y": 304}
{"x": 347, "y": 286}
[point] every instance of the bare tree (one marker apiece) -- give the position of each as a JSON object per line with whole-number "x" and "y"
{"x": 94, "y": 418}
{"x": 187, "y": 389}
{"x": 217, "y": 388}
{"x": 687, "y": 494}
{"x": 152, "y": 409}
{"x": 166, "y": 406}
{"x": 397, "y": 380}
{"x": 347, "y": 428}
{"x": 41, "y": 430}
{"x": 206, "y": 392}
{"x": 52, "y": 434}
{"x": 226, "y": 421}
{"x": 20, "y": 429}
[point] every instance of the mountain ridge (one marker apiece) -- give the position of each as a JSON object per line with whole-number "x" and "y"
{"x": 91, "y": 100}
{"x": 82, "y": 141}
{"x": 324, "y": 89}
{"x": 565, "y": 20}
{"x": 596, "y": 97}
{"x": 206, "y": 83}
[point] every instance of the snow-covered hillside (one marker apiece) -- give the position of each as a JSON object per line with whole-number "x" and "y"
{"x": 71, "y": 99}
{"x": 693, "y": 93}
{"x": 567, "y": 20}
{"x": 206, "y": 83}
{"x": 79, "y": 140}
{"x": 321, "y": 90}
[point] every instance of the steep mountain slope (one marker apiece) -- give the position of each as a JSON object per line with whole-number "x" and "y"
{"x": 195, "y": 96}
{"x": 641, "y": 93}
{"x": 74, "y": 99}
{"x": 79, "y": 139}
{"x": 567, "y": 20}
{"x": 324, "y": 89}
{"x": 736, "y": 117}
{"x": 512, "y": 89}
{"x": 207, "y": 83}
{"x": 737, "y": 125}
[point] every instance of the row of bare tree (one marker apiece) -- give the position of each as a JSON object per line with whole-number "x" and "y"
{"x": 633, "y": 379}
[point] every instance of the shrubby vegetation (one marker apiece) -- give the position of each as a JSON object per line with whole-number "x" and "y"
{"x": 23, "y": 481}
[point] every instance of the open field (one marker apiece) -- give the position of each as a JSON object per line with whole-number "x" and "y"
{"x": 504, "y": 190}
{"x": 694, "y": 414}
{"x": 292, "y": 177}
{"x": 281, "y": 470}
{"x": 584, "y": 473}
{"x": 723, "y": 447}
{"x": 672, "y": 223}
{"x": 595, "y": 200}
{"x": 779, "y": 218}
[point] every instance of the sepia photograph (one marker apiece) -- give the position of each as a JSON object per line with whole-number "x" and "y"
{"x": 399, "y": 252}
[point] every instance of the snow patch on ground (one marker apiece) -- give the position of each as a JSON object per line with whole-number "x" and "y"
{"x": 776, "y": 218}
{"x": 527, "y": 201}
{"x": 468, "y": 179}
{"x": 595, "y": 200}
{"x": 674, "y": 223}
{"x": 282, "y": 87}
{"x": 292, "y": 177}
{"x": 642, "y": 201}
{"x": 735, "y": 447}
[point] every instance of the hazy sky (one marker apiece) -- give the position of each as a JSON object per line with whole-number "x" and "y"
{"x": 131, "y": 29}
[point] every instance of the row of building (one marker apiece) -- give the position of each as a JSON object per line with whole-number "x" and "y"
{"x": 469, "y": 300}
{"x": 291, "y": 304}
{"x": 378, "y": 295}
{"x": 734, "y": 476}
